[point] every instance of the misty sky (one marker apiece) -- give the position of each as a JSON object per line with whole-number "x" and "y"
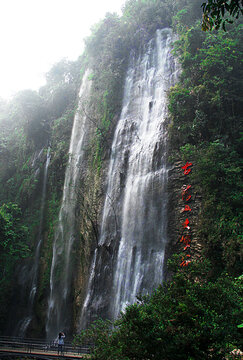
{"x": 35, "y": 34}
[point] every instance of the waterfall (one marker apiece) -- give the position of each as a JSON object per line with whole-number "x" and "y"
{"x": 129, "y": 258}
{"x": 25, "y": 322}
{"x": 59, "y": 304}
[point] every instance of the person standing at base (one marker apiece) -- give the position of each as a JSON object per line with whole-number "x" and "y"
{"x": 61, "y": 337}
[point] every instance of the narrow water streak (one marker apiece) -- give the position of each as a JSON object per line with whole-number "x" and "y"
{"x": 59, "y": 304}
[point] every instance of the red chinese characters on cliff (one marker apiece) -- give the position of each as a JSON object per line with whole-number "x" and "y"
{"x": 186, "y": 168}
{"x": 186, "y": 196}
{"x": 186, "y": 228}
{"x": 187, "y": 208}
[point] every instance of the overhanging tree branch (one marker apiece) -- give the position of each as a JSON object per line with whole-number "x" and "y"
{"x": 215, "y": 13}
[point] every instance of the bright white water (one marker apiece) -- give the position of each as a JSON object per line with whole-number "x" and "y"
{"x": 59, "y": 304}
{"x": 25, "y": 322}
{"x": 130, "y": 256}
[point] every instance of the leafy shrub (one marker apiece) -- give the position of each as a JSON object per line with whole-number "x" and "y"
{"x": 185, "y": 319}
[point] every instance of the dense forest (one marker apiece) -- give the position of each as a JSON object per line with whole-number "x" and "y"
{"x": 195, "y": 314}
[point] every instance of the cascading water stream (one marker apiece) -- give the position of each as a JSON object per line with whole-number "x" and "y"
{"x": 59, "y": 316}
{"x": 130, "y": 256}
{"x": 25, "y": 322}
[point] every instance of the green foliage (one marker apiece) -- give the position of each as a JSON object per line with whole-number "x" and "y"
{"x": 215, "y": 12}
{"x": 24, "y": 131}
{"x": 186, "y": 319}
{"x": 209, "y": 94}
{"x": 108, "y": 56}
{"x": 13, "y": 247}
{"x": 61, "y": 129}
{"x": 12, "y": 232}
{"x": 31, "y": 110}
{"x": 143, "y": 17}
{"x": 60, "y": 90}
{"x": 102, "y": 133}
{"x": 185, "y": 13}
{"x": 99, "y": 334}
